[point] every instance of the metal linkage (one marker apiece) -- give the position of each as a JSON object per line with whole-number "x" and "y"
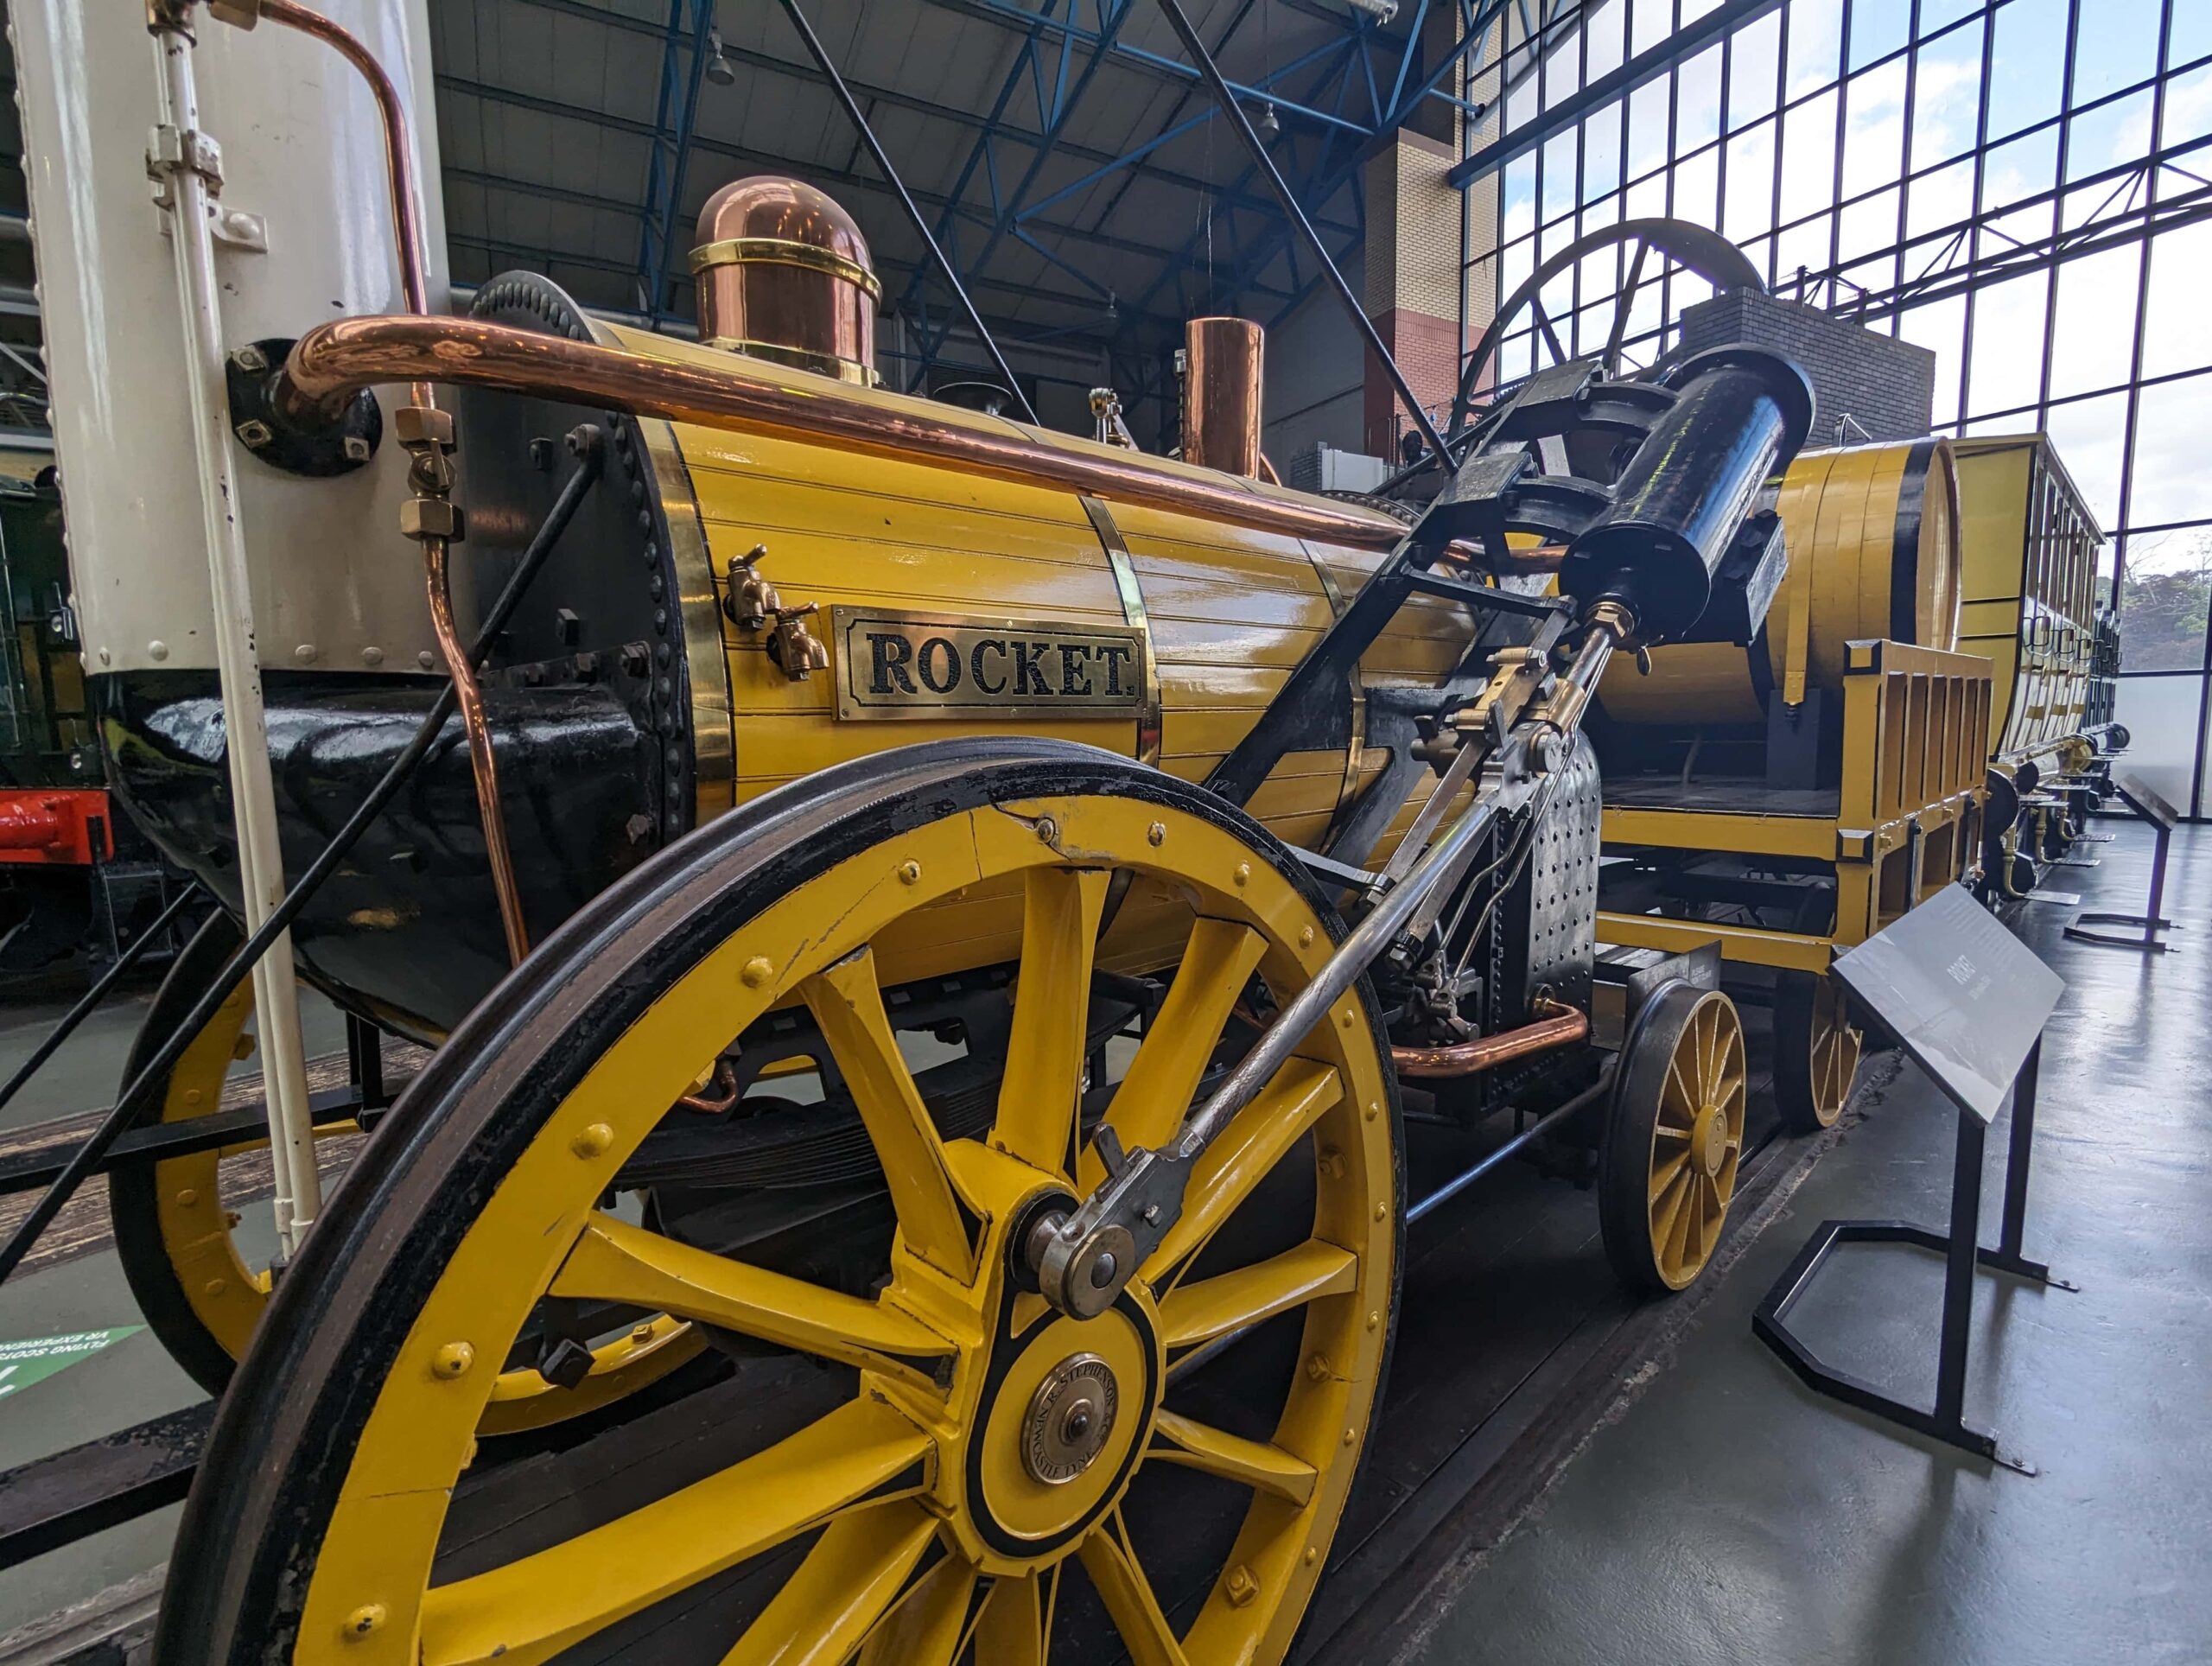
{"x": 588, "y": 443}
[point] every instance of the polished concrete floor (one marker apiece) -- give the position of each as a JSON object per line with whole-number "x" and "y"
{"x": 1721, "y": 1512}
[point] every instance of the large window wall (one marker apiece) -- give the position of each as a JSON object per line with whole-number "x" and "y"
{"x": 2024, "y": 187}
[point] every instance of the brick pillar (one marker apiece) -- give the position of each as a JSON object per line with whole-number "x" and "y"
{"x": 1411, "y": 286}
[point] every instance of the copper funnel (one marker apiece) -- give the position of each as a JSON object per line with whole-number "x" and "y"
{"x": 784, "y": 274}
{"x": 1221, "y": 394}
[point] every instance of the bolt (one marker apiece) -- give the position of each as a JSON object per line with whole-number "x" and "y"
{"x": 358, "y": 449}
{"x": 1382, "y": 1211}
{"x": 1351, "y": 1435}
{"x": 910, "y": 873}
{"x": 215, "y": 1286}
{"x": 1047, "y": 829}
{"x": 1240, "y": 1586}
{"x": 1313, "y": 1555}
{"x": 637, "y": 659}
{"x": 566, "y": 1363}
{"x": 1317, "y": 1368}
{"x": 757, "y": 971}
{"x": 1156, "y": 834}
{"x": 1374, "y": 1321}
{"x": 593, "y": 1140}
{"x": 363, "y": 1621}
{"x": 1332, "y": 1163}
{"x": 186, "y": 1197}
{"x": 452, "y": 1360}
{"x": 1103, "y": 1270}
{"x": 1306, "y": 937}
{"x": 1244, "y": 874}
{"x": 641, "y": 1334}
{"x": 250, "y": 360}
{"x": 253, "y": 434}
{"x": 541, "y": 455}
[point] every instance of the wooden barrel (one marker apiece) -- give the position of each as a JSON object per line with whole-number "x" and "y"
{"x": 1872, "y": 533}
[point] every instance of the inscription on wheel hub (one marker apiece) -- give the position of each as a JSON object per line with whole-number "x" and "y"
{"x": 1070, "y": 1417}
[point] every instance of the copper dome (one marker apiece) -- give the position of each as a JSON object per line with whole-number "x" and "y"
{"x": 784, "y": 274}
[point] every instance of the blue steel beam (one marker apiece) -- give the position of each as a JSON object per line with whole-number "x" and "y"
{"x": 674, "y": 122}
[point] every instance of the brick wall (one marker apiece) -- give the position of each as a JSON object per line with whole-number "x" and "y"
{"x": 1887, "y": 387}
{"x": 1411, "y": 283}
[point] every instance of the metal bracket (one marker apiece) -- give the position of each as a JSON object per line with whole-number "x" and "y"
{"x": 173, "y": 149}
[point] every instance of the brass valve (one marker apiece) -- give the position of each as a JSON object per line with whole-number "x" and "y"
{"x": 426, "y": 434}
{"x": 795, "y": 647}
{"x": 751, "y": 600}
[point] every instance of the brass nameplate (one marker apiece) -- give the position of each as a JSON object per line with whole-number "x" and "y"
{"x": 893, "y": 665}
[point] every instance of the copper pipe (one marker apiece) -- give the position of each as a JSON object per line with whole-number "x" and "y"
{"x": 482, "y": 765}
{"x": 1222, "y": 379}
{"x": 1267, "y": 471}
{"x": 727, "y": 1093}
{"x": 1566, "y": 1026}
{"x": 332, "y": 361}
{"x": 407, "y": 238}
{"x": 399, "y": 152}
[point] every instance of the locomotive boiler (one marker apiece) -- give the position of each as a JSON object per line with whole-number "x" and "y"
{"x": 926, "y": 927}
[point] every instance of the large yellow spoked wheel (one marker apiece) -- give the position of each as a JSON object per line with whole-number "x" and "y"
{"x": 1816, "y": 1052}
{"x": 918, "y": 1462}
{"x": 200, "y": 1285}
{"x": 1666, "y": 1169}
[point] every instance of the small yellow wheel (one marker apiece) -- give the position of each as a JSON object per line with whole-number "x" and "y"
{"x": 920, "y": 1462}
{"x": 1667, "y": 1168}
{"x": 1816, "y": 1052}
{"x": 203, "y": 1290}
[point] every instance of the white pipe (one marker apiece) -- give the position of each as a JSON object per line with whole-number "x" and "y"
{"x": 253, "y": 793}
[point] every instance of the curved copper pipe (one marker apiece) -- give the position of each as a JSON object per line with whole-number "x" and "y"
{"x": 1566, "y": 1024}
{"x": 407, "y": 237}
{"x": 1267, "y": 471}
{"x": 331, "y": 361}
{"x": 398, "y": 153}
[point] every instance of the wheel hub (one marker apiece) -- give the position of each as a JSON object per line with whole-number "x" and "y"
{"x": 1070, "y": 1417}
{"x": 1709, "y": 1141}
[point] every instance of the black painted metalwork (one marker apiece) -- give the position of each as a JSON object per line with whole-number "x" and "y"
{"x": 55, "y": 1501}
{"x": 135, "y": 1099}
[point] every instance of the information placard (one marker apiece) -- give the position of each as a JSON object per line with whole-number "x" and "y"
{"x": 1963, "y": 996}
{"x": 2145, "y": 801}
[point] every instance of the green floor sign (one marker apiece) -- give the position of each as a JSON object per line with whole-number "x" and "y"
{"x": 34, "y": 1358}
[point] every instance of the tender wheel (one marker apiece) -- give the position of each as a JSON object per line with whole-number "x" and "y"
{"x": 201, "y": 1284}
{"x": 923, "y": 1453}
{"x": 1815, "y": 1053}
{"x": 1674, "y": 1136}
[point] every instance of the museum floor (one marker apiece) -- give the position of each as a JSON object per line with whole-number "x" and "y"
{"x": 1718, "y": 1511}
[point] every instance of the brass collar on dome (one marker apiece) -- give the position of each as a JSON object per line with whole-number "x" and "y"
{"x": 737, "y": 250}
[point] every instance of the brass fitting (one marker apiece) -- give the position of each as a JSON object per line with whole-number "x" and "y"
{"x": 794, "y": 646}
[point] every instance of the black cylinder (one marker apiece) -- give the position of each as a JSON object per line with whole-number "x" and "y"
{"x": 1739, "y": 414}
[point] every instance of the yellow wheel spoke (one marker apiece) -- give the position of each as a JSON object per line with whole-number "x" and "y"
{"x": 1678, "y": 1097}
{"x": 1667, "y": 1131}
{"x": 1011, "y": 1630}
{"x": 613, "y": 1261}
{"x": 1248, "y": 1149}
{"x": 1052, "y": 1008}
{"x": 929, "y": 1624}
{"x": 847, "y": 1583}
{"x": 1250, "y": 1463}
{"x": 1666, "y": 1172}
{"x": 1163, "y": 1079}
{"x": 1127, "y": 1596}
{"x": 531, "y": 1609}
{"x": 1229, "y": 1302}
{"x": 1667, "y": 1207}
{"x": 847, "y": 1001}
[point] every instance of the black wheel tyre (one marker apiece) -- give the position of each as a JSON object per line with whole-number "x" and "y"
{"x": 1815, "y": 1053}
{"x": 133, "y": 1203}
{"x": 1673, "y": 1138}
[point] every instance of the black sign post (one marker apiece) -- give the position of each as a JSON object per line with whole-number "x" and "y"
{"x": 2162, "y": 817}
{"x": 1966, "y": 1002}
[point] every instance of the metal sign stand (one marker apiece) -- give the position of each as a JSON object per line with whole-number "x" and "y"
{"x": 1930, "y": 984}
{"x": 2162, "y": 817}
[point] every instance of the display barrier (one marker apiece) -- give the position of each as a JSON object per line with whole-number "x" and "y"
{"x": 2162, "y": 816}
{"x": 1966, "y": 1002}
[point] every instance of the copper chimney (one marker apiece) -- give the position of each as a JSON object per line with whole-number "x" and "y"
{"x": 784, "y": 275}
{"x": 1221, "y": 394}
